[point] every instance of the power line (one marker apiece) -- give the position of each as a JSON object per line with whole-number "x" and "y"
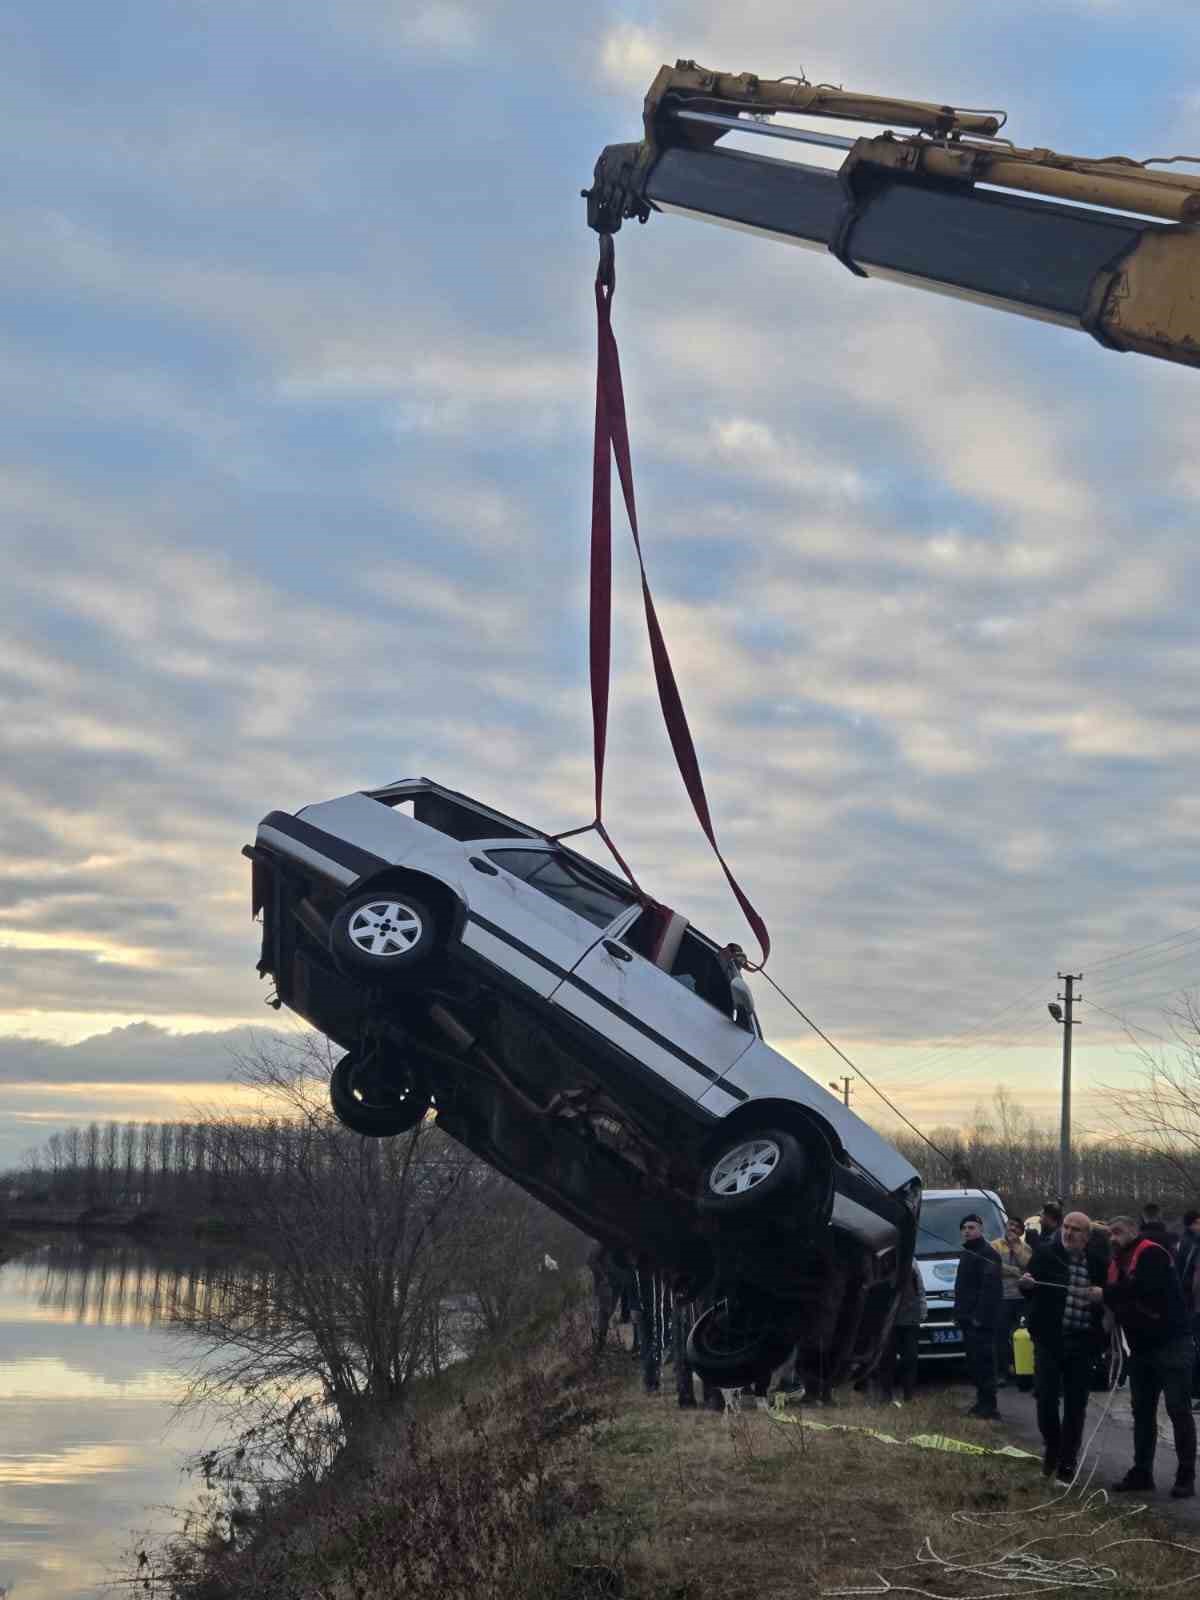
{"x": 1125, "y": 1023}
{"x": 1115, "y": 979}
{"x": 1138, "y": 1000}
{"x": 890, "y": 1104}
{"x": 956, "y": 1042}
{"x": 1095, "y": 966}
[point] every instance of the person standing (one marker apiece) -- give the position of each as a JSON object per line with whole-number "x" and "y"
{"x": 978, "y": 1297}
{"x": 900, "y": 1355}
{"x": 1144, "y": 1292}
{"x": 1187, "y": 1261}
{"x": 1152, "y": 1226}
{"x": 1062, "y": 1288}
{"x": 1015, "y": 1255}
{"x": 1049, "y": 1222}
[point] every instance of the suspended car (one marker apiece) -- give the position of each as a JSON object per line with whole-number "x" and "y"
{"x": 598, "y": 1050}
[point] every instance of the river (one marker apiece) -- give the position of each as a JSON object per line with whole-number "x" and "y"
{"x": 91, "y": 1445}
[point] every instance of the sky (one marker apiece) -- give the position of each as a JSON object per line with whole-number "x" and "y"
{"x": 298, "y": 356}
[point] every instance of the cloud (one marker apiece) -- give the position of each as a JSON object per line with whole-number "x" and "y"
{"x": 295, "y": 499}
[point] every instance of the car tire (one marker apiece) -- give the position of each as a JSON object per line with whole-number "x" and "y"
{"x": 376, "y": 1098}
{"x": 754, "y": 1174}
{"x": 732, "y": 1344}
{"x": 382, "y": 935}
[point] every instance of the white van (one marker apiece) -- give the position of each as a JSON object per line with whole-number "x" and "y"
{"x": 938, "y": 1249}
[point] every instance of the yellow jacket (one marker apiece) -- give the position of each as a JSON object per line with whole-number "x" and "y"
{"x": 1014, "y": 1258}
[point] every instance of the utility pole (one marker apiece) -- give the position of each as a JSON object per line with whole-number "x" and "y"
{"x": 1064, "y": 1016}
{"x": 843, "y": 1089}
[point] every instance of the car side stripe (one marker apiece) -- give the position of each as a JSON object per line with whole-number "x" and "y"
{"x": 601, "y": 999}
{"x": 526, "y": 950}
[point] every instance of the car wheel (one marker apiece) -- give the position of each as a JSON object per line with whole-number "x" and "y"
{"x": 755, "y": 1172}
{"x": 375, "y": 1098}
{"x": 733, "y": 1343}
{"x": 382, "y": 935}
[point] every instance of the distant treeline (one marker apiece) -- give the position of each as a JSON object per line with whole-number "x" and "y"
{"x": 188, "y": 1168}
{"x": 194, "y": 1168}
{"x": 1108, "y": 1177}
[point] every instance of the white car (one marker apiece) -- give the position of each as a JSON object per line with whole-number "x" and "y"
{"x": 597, "y": 1049}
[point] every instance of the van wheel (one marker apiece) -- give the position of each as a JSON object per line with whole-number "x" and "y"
{"x": 376, "y": 1098}
{"x": 734, "y": 1343}
{"x": 381, "y": 936}
{"x": 753, "y": 1173}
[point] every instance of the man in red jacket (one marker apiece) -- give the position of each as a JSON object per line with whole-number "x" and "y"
{"x": 1143, "y": 1291}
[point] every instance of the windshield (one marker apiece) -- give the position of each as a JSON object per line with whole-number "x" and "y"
{"x": 937, "y": 1231}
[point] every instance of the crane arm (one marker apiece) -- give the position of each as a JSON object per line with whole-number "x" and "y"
{"x": 948, "y": 206}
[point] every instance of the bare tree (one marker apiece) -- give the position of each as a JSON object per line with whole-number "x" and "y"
{"x": 1160, "y": 1116}
{"x": 366, "y": 1239}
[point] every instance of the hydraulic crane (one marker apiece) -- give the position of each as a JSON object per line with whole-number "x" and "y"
{"x": 1109, "y": 246}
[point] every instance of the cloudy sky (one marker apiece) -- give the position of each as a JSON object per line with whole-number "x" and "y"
{"x": 295, "y": 479}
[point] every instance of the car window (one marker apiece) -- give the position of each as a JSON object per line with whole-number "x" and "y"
{"x": 938, "y": 1234}
{"x": 558, "y": 877}
{"x": 451, "y": 817}
{"x": 696, "y": 965}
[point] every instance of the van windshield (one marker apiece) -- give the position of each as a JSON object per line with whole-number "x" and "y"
{"x": 937, "y": 1231}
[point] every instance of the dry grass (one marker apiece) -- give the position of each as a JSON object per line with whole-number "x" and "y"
{"x": 552, "y": 1480}
{"x": 742, "y": 1505}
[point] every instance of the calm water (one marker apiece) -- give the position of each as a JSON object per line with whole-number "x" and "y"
{"x": 90, "y": 1445}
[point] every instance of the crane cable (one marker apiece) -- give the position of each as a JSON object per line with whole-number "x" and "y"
{"x": 858, "y": 1070}
{"x": 612, "y": 439}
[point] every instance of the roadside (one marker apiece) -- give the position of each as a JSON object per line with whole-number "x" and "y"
{"x": 542, "y": 1474}
{"x": 1109, "y": 1437}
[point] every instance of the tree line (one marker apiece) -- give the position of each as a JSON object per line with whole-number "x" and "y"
{"x": 1154, "y": 1156}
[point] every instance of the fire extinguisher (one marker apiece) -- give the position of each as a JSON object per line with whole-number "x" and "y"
{"x": 1023, "y": 1361}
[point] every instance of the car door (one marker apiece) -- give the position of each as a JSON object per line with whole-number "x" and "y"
{"x": 650, "y": 1015}
{"x": 531, "y": 911}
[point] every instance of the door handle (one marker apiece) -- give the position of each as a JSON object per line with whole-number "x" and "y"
{"x": 617, "y": 951}
{"x": 485, "y": 867}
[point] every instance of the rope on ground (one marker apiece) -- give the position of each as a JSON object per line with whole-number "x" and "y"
{"x": 1019, "y": 1568}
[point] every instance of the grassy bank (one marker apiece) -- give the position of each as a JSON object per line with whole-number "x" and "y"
{"x": 536, "y": 1474}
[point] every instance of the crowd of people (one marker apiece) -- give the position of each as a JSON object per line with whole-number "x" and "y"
{"x": 1103, "y": 1302}
{"x": 1122, "y": 1295}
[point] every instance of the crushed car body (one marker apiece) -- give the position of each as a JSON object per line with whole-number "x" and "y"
{"x": 598, "y": 1050}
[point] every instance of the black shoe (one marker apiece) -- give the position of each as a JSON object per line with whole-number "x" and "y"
{"x": 973, "y": 1411}
{"x": 1049, "y": 1465}
{"x": 1184, "y": 1489}
{"x": 1134, "y": 1480}
{"x": 1065, "y": 1476}
{"x": 687, "y": 1402}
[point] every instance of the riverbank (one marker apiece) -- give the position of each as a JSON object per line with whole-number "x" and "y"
{"x": 540, "y": 1474}
{"x": 119, "y": 1219}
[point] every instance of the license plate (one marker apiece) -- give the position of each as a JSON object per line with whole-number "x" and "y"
{"x": 946, "y": 1335}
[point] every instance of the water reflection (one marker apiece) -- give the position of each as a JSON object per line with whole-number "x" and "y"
{"x": 90, "y": 1444}
{"x": 123, "y": 1284}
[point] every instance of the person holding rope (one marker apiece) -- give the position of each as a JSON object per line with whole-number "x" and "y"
{"x": 1062, "y": 1289}
{"x": 1144, "y": 1292}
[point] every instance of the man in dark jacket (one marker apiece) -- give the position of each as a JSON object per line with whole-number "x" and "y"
{"x": 1064, "y": 1318}
{"x": 978, "y": 1298}
{"x": 1187, "y": 1260}
{"x": 1143, "y": 1291}
{"x": 1152, "y": 1226}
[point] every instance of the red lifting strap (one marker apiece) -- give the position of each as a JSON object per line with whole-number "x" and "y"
{"x": 612, "y": 435}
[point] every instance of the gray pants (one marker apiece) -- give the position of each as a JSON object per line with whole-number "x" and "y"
{"x": 1166, "y": 1371}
